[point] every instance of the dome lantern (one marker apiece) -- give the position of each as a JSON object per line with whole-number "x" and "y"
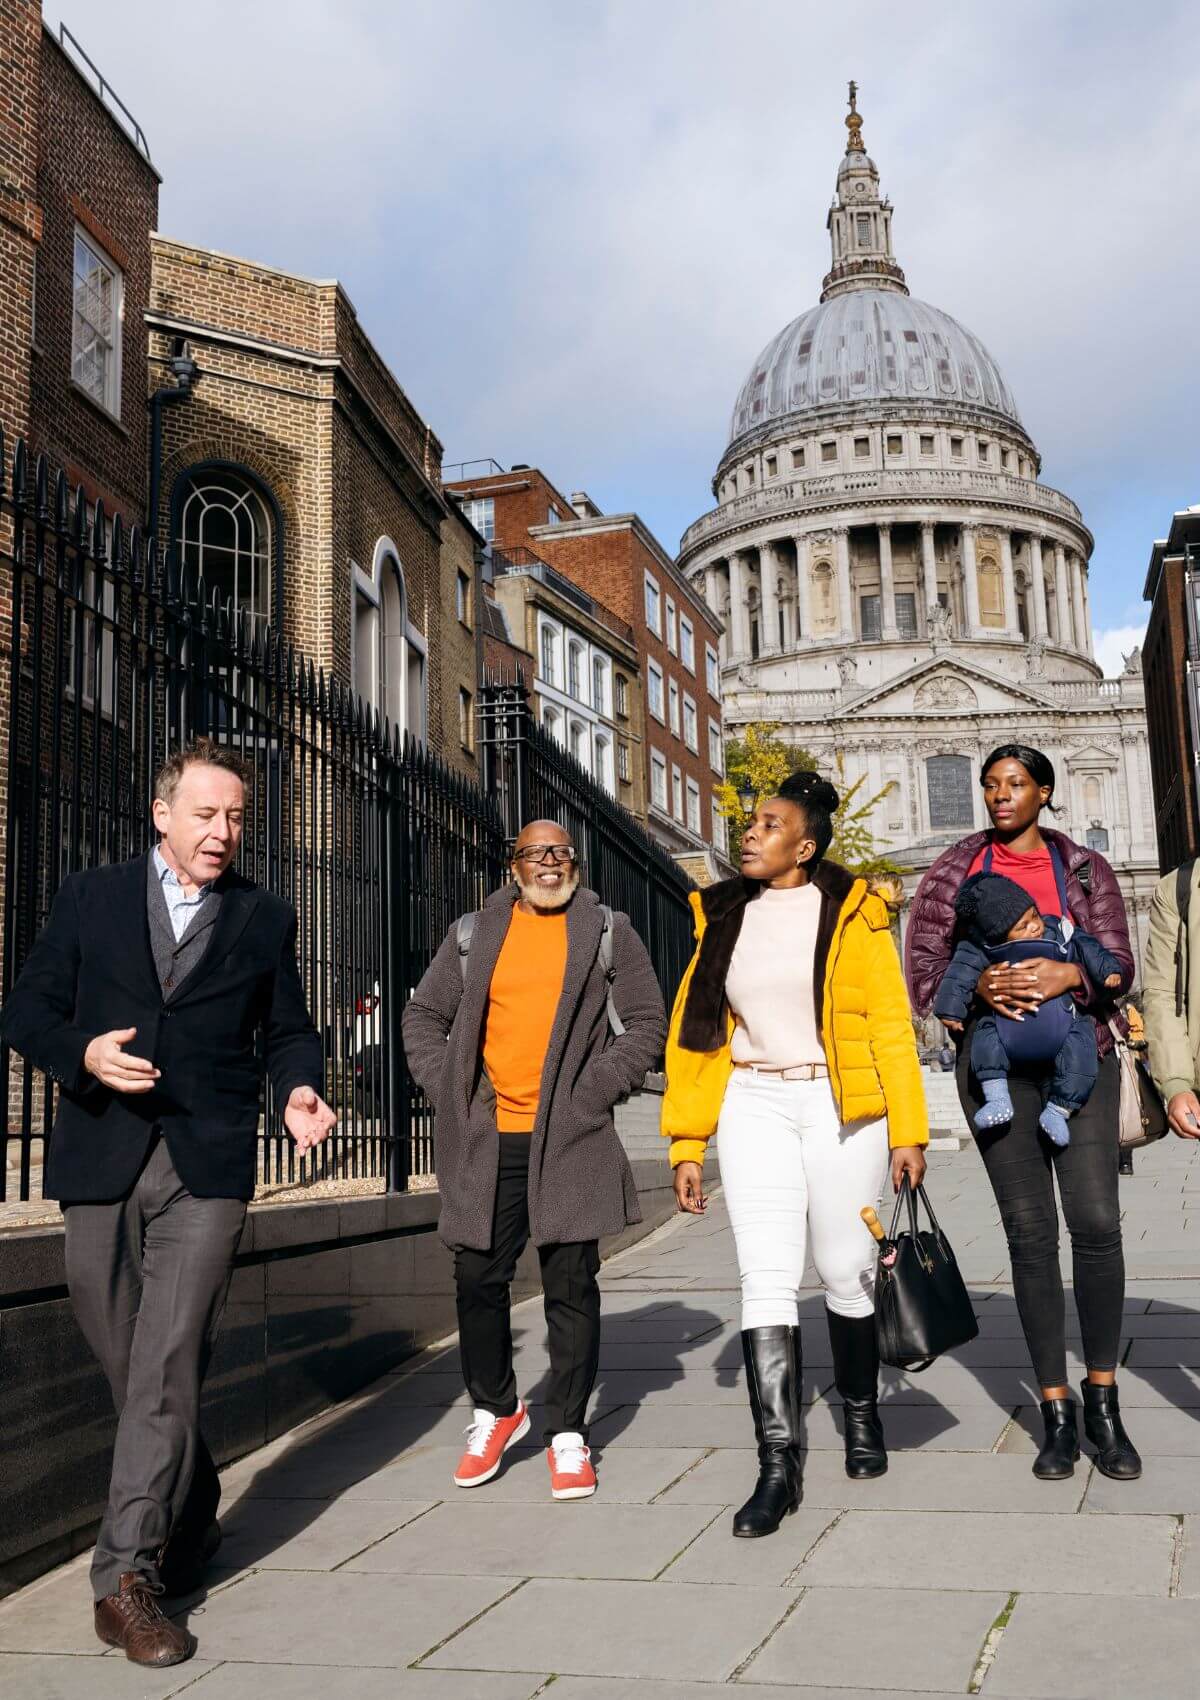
{"x": 860, "y": 222}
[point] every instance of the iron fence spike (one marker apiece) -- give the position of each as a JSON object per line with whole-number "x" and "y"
{"x": 41, "y": 489}
{"x": 61, "y": 503}
{"x": 99, "y": 533}
{"x": 20, "y": 460}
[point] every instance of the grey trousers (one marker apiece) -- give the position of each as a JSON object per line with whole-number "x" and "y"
{"x": 148, "y": 1277}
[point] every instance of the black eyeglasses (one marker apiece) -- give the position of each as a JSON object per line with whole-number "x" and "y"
{"x": 559, "y": 853}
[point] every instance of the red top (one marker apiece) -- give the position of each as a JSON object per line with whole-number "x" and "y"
{"x": 1033, "y": 872}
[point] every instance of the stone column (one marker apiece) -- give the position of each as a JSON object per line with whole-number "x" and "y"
{"x": 1040, "y": 623}
{"x": 1133, "y": 792}
{"x": 712, "y": 586}
{"x": 970, "y": 581}
{"x": 887, "y": 583}
{"x": 841, "y": 539}
{"x": 739, "y": 607}
{"x": 1062, "y": 598}
{"x": 1012, "y": 619}
{"x": 768, "y": 574}
{"x": 803, "y": 632}
{"x": 929, "y": 564}
{"x": 1078, "y": 617}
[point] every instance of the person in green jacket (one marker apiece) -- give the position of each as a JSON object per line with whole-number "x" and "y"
{"x": 1171, "y": 986}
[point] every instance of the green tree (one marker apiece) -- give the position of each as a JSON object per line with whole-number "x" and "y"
{"x": 761, "y": 760}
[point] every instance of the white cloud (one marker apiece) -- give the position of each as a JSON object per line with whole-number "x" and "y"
{"x": 1114, "y": 643}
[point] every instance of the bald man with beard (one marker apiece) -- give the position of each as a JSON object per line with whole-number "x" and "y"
{"x": 514, "y": 1046}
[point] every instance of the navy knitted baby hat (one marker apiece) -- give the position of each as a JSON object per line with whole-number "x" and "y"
{"x": 989, "y": 906}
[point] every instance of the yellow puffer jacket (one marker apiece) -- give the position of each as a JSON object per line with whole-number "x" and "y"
{"x": 866, "y": 1022}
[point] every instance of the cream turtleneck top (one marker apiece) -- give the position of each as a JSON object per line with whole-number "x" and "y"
{"x": 770, "y": 980}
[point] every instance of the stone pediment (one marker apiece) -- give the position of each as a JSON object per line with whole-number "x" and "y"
{"x": 943, "y": 685}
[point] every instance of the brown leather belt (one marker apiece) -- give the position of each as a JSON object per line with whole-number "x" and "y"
{"x": 800, "y": 1071}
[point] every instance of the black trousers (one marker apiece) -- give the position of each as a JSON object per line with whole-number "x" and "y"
{"x": 572, "y": 1299}
{"x": 1022, "y": 1165}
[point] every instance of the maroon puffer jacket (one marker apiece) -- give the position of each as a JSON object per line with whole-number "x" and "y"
{"x": 1100, "y": 910}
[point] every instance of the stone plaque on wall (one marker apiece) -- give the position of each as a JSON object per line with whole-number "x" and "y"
{"x": 951, "y": 792}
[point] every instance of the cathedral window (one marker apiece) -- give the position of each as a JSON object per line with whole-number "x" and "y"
{"x": 797, "y": 458}
{"x": 770, "y": 466}
{"x": 862, "y": 448}
{"x": 868, "y": 618}
{"x": 1010, "y": 460}
{"x": 828, "y": 451}
{"x": 906, "y": 613}
{"x": 864, "y": 230}
{"x": 956, "y": 447}
{"x": 926, "y": 443}
{"x": 895, "y": 443}
{"x": 985, "y": 453}
{"x": 950, "y": 785}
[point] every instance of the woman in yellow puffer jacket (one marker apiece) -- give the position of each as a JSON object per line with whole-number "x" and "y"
{"x": 792, "y": 1040}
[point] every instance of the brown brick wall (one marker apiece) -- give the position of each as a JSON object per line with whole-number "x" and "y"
{"x": 303, "y": 400}
{"x": 90, "y": 173}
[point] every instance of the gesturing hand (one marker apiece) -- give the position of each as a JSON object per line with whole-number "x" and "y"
{"x": 308, "y": 1118}
{"x": 105, "y": 1059}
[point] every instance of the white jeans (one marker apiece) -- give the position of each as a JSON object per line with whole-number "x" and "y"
{"x": 790, "y": 1169}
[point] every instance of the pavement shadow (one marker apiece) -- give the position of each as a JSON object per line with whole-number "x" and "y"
{"x": 1177, "y": 1378}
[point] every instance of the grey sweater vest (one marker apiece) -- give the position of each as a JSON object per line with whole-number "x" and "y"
{"x": 174, "y": 959}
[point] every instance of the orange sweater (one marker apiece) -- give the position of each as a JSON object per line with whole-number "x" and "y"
{"x": 522, "y": 1002}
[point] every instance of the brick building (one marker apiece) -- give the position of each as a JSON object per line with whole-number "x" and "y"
{"x": 616, "y": 559}
{"x": 297, "y": 475}
{"x": 584, "y": 671}
{"x": 1171, "y": 668}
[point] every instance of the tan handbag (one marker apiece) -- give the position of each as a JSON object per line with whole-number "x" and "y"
{"x": 1142, "y": 1117}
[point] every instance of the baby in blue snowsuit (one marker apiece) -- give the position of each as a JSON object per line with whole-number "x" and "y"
{"x": 1057, "y": 1041}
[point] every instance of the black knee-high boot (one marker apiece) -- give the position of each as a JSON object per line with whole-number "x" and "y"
{"x": 856, "y": 1373}
{"x": 773, "y": 1379}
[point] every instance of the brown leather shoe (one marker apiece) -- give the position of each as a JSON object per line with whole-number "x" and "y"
{"x": 182, "y": 1562}
{"x": 133, "y": 1619}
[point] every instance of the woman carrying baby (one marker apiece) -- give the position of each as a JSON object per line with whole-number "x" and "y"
{"x": 1073, "y": 894}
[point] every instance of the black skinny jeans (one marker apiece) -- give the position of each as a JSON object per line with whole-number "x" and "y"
{"x": 572, "y": 1301}
{"x": 1022, "y": 1165}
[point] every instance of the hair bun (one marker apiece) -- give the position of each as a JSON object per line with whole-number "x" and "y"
{"x": 807, "y": 787}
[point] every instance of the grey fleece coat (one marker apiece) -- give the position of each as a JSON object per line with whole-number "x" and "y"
{"x": 580, "y": 1183}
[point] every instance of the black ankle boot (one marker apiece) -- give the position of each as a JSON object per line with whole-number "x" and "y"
{"x": 1116, "y": 1455}
{"x": 856, "y": 1375}
{"x": 773, "y": 1379}
{"x": 1060, "y": 1448}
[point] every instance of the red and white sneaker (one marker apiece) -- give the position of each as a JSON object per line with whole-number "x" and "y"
{"x": 571, "y": 1472}
{"x": 488, "y": 1439}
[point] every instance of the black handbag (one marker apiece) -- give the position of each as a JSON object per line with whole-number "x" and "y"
{"x": 922, "y": 1307}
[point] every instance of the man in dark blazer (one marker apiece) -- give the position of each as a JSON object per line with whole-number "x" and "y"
{"x": 141, "y": 1000}
{"x": 515, "y": 1049}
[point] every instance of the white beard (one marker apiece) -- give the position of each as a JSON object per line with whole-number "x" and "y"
{"x": 546, "y": 898}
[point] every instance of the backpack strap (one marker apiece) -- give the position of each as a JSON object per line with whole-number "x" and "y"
{"x": 464, "y": 930}
{"x": 1183, "y": 902}
{"x": 604, "y": 957}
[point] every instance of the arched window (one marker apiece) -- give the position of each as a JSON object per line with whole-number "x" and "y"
{"x": 552, "y": 721}
{"x": 574, "y": 665}
{"x": 548, "y": 647}
{"x": 1092, "y": 805}
{"x": 389, "y": 653}
{"x": 228, "y": 528}
{"x": 950, "y": 783}
{"x": 598, "y": 691}
{"x": 579, "y": 742}
{"x": 604, "y": 764}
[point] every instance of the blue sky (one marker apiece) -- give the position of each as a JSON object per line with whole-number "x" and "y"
{"x": 570, "y": 228}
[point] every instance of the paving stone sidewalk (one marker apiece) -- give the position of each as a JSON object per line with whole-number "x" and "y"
{"x": 352, "y": 1566}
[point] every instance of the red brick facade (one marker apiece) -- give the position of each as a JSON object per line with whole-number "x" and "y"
{"x": 1165, "y": 670}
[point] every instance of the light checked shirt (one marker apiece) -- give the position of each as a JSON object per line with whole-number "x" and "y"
{"x": 180, "y": 907}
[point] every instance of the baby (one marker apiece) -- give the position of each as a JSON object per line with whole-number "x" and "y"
{"x": 1057, "y": 1041}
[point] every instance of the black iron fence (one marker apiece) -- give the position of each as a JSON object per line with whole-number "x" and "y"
{"x": 113, "y": 656}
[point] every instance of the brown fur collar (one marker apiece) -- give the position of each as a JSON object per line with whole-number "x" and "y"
{"x": 702, "y": 1026}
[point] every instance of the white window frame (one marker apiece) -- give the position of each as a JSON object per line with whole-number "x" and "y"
{"x": 687, "y": 643}
{"x": 466, "y": 718}
{"x": 110, "y": 401}
{"x": 550, "y": 628}
{"x": 677, "y": 804}
{"x": 720, "y": 827}
{"x": 621, "y": 697}
{"x": 672, "y": 637}
{"x": 653, "y": 599}
{"x": 601, "y": 684}
{"x": 712, "y": 671}
{"x": 481, "y": 511}
{"x": 575, "y": 654}
{"x": 624, "y": 763}
{"x": 655, "y": 678}
{"x": 693, "y": 807}
{"x": 691, "y": 720}
{"x": 658, "y": 781}
{"x": 408, "y": 642}
{"x": 462, "y": 598}
{"x": 673, "y": 706}
{"x": 716, "y": 744}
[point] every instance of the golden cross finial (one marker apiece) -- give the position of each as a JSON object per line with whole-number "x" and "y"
{"x": 854, "y": 122}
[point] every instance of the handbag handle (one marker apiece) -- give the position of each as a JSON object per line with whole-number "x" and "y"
{"x": 906, "y": 1197}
